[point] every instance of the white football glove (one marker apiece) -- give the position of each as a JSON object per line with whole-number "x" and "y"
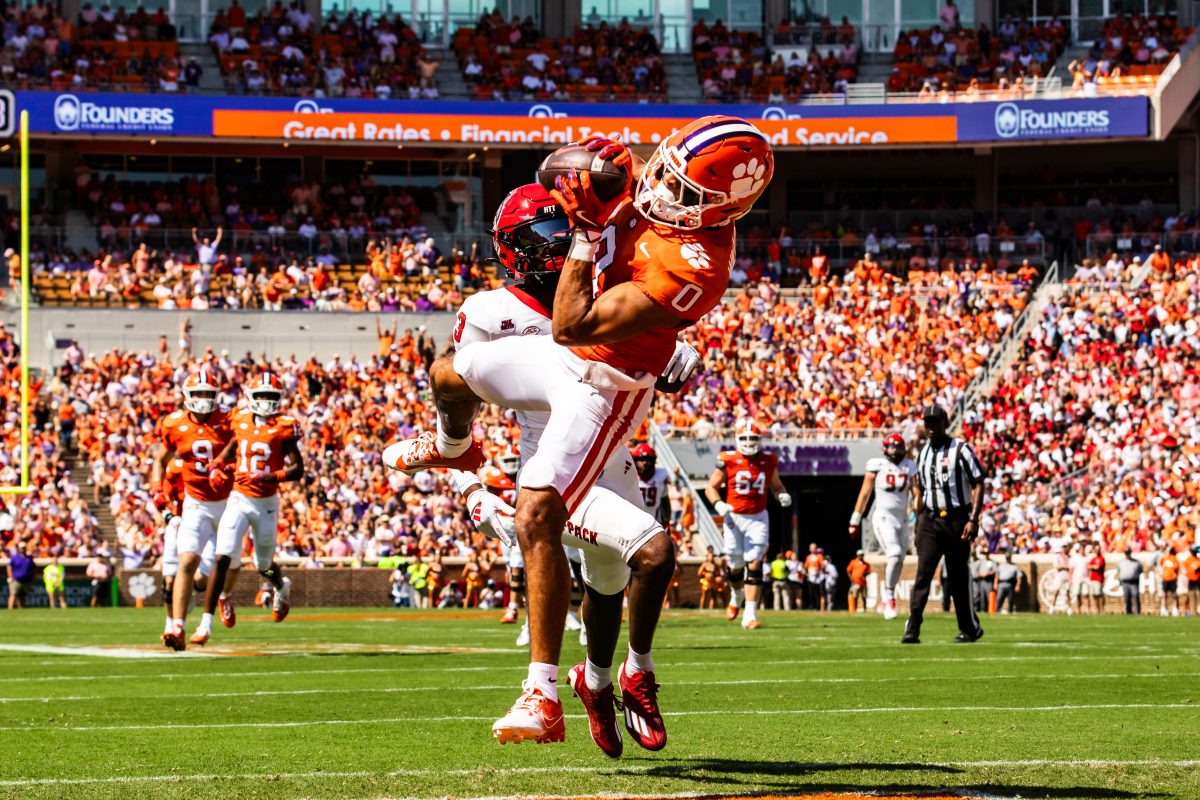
{"x": 785, "y": 499}
{"x": 682, "y": 364}
{"x": 493, "y": 517}
{"x": 722, "y": 508}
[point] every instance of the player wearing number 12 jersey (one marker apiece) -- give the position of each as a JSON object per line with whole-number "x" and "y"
{"x": 194, "y": 434}
{"x": 893, "y": 480}
{"x": 747, "y": 476}
{"x": 265, "y": 449}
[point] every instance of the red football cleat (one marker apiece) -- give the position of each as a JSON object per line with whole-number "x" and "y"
{"x": 510, "y": 617}
{"x": 601, "y": 709}
{"x": 731, "y": 613}
{"x": 533, "y": 718}
{"x": 199, "y": 637}
{"x": 175, "y": 639}
{"x": 411, "y": 456}
{"x": 645, "y": 724}
{"x": 227, "y": 611}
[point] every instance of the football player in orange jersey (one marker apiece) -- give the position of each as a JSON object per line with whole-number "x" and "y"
{"x": 642, "y": 266}
{"x": 172, "y": 495}
{"x": 265, "y": 447}
{"x": 746, "y": 475}
{"x": 195, "y": 434}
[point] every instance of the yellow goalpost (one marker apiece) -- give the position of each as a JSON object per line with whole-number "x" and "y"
{"x": 24, "y": 487}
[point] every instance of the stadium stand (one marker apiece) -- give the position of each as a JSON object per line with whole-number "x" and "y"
{"x": 511, "y": 60}
{"x": 1092, "y": 433}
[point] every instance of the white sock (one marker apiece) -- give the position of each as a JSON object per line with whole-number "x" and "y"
{"x": 176, "y": 621}
{"x": 595, "y": 677}
{"x": 889, "y": 594}
{"x": 206, "y": 621}
{"x": 169, "y": 621}
{"x": 513, "y": 605}
{"x": 449, "y": 446}
{"x": 638, "y": 662}
{"x": 751, "y": 608}
{"x": 224, "y": 595}
{"x": 735, "y": 598}
{"x": 544, "y": 677}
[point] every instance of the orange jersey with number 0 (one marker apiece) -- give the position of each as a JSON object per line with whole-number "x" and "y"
{"x": 748, "y": 480}
{"x": 684, "y": 272}
{"x": 196, "y": 445}
{"x": 260, "y": 451}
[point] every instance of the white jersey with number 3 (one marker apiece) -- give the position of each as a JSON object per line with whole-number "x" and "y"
{"x": 893, "y": 485}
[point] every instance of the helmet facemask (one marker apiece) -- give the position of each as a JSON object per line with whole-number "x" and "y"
{"x": 667, "y": 196}
{"x": 200, "y": 400}
{"x": 265, "y": 402}
{"x": 749, "y": 443}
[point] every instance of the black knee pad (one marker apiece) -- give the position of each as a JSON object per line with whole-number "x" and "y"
{"x": 516, "y": 579}
{"x": 270, "y": 573}
{"x": 753, "y": 577}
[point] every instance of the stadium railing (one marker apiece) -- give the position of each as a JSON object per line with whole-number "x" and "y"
{"x": 1100, "y": 245}
{"x": 708, "y": 528}
{"x": 787, "y": 434}
{"x": 841, "y": 252}
{"x": 1004, "y": 351}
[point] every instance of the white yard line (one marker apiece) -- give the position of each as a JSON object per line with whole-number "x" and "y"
{"x": 512, "y": 686}
{"x": 785, "y": 712}
{"x": 665, "y": 663}
{"x": 607, "y": 769}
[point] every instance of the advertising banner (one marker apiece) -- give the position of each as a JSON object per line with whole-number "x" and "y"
{"x": 283, "y": 118}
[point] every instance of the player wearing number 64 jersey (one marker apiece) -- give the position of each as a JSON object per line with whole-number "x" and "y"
{"x": 893, "y": 480}
{"x": 265, "y": 449}
{"x": 747, "y": 475}
{"x": 194, "y": 434}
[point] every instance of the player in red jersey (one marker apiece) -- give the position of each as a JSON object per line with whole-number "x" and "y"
{"x": 642, "y": 266}
{"x": 265, "y": 446}
{"x": 195, "y": 435}
{"x": 746, "y": 475}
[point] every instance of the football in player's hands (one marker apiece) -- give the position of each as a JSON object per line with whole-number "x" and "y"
{"x": 218, "y": 479}
{"x": 607, "y": 169}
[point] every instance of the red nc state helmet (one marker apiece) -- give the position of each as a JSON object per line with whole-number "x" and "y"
{"x": 531, "y": 234}
{"x": 894, "y": 447}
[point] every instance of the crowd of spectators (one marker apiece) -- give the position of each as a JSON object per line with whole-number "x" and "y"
{"x": 864, "y": 352}
{"x": 1093, "y": 435}
{"x": 511, "y": 60}
{"x": 956, "y": 59}
{"x": 101, "y": 48}
{"x": 288, "y": 51}
{"x": 54, "y": 517}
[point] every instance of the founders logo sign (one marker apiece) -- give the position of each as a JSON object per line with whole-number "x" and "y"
{"x": 1031, "y": 122}
{"x": 102, "y": 116}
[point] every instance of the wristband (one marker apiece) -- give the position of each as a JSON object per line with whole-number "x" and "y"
{"x": 582, "y": 248}
{"x": 856, "y": 518}
{"x": 463, "y": 480}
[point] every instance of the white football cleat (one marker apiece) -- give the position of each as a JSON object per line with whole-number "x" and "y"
{"x": 572, "y": 623}
{"x": 889, "y": 609}
{"x": 279, "y": 603}
{"x": 523, "y": 636}
{"x": 583, "y": 636}
{"x": 533, "y": 718}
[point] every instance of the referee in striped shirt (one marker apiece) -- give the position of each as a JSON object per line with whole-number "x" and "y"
{"x": 950, "y": 480}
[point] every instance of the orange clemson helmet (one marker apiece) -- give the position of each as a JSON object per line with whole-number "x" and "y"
{"x": 748, "y": 437}
{"x": 509, "y": 461}
{"x": 266, "y": 394}
{"x": 200, "y": 392}
{"x": 710, "y": 172}
{"x": 495, "y": 480}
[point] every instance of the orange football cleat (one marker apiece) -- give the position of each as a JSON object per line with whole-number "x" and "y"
{"x": 199, "y": 637}
{"x": 533, "y": 718}
{"x": 411, "y": 456}
{"x": 510, "y": 616}
{"x": 752, "y": 624}
{"x": 731, "y": 613}
{"x": 227, "y": 611}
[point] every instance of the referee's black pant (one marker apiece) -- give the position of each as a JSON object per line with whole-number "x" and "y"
{"x": 939, "y": 537}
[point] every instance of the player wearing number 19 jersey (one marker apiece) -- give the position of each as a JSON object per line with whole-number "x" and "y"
{"x": 194, "y": 434}
{"x": 892, "y": 478}
{"x": 747, "y": 476}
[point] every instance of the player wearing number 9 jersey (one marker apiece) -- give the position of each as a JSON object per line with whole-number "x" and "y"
{"x": 746, "y": 475}
{"x": 194, "y": 434}
{"x": 266, "y": 452}
{"x": 892, "y": 478}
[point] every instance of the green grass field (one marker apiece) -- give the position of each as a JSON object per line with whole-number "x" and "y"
{"x": 380, "y": 704}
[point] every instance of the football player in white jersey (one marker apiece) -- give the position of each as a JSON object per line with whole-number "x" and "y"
{"x": 619, "y": 543}
{"x": 654, "y": 482}
{"x": 893, "y": 480}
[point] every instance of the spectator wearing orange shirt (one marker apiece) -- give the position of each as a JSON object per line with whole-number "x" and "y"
{"x": 814, "y": 565}
{"x": 857, "y": 571}
{"x": 1160, "y": 262}
{"x": 1168, "y": 572}
{"x": 1190, "y": 567}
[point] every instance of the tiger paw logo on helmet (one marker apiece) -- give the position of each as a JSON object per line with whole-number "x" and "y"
{"x": 696, "y": 255}
{"x": 748, "y": 177}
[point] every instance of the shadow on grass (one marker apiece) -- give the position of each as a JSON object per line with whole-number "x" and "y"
{"x": 730, "y": 773}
